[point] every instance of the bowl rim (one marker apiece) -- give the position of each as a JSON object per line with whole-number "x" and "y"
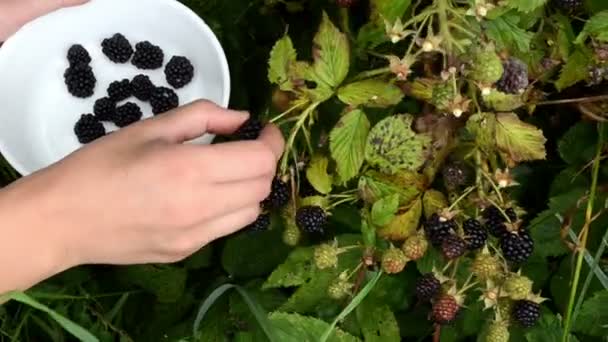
{"x": 12, "y": 42}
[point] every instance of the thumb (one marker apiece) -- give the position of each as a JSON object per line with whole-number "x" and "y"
{"x": 47, "y": 6}
{"x": 195, "y": 119}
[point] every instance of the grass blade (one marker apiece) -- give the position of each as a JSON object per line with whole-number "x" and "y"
{"x": 352, "y": 305}
{"x": 593, "y": 262}
{"x": 71, "y": 327}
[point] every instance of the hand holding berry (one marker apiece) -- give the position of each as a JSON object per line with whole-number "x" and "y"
{"x": 16, "y": 13}
{"x": 140, "y": 194}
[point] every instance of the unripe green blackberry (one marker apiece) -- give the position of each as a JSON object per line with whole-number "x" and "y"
{"x": 504, "y": 308}
{"x": 291, "y": 235}
{"x": 518, "y": 287}
{"x": 339, "y": 288}
{"x": 443, "y": 95}
{"x": 486, "y": 266}
{"x": 393, "y": 260}
{"x": 498, "y": 332}
{"x": 326, "y": 256}
{"x": 486, "y": 68}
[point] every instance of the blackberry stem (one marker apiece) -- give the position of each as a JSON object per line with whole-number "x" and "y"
{"x": 371, "y": 73}
{"x": 463, "y": 196}
{"x": 494, "y": 186}
{"x": 294, "y": 133}
{"x": 502, "y": 212}
{"x": 280, "y": 116}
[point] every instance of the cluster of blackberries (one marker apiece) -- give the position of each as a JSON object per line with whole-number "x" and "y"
{"x": 80, "y": 81}
{"x": 516, "y": 244}
{"x": 443, "y": 234}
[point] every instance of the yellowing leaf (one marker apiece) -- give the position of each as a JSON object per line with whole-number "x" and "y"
{"x": 433, "y": 201}
{"x": 502, "y": 102}
{"x": 371, "y": 93}
{"x": 392, "y": 145}
{"x": 404, "y": 224}
{"x": 483, "y": 126}
{"x": 347, "y": 143}
{"x": 317, "y": 174}
{"x": 519, "y": 140}
{"x": 331, "y": 54}
{"x": 282, "y": 56}
{"x": 374, "y": 185}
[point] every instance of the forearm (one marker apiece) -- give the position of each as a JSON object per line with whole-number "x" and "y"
{"x": 29, "y": 251}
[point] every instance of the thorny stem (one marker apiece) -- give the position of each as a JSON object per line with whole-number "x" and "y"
{"x": 346, "y": 200}
{"x": 437, "y": 334}
{"x": 494, "y": 186}
{"x": 280, "y": 116}
{"x": 371, "y": 73}
{"x": 502, "y": 212}
{"x": 423, "y": 15}
{"x": 463, "y": 30}
{"x": 445, "y": 268}
{"x": 442, "y": 13}
{"x": 455, "y": 269}
{"x": 584, "y": 234}
{"x": 294, "y": 133}
{"x": 413, "y": 43}
{"x": 463, "y": 196}
{"x": 578, "y": 100}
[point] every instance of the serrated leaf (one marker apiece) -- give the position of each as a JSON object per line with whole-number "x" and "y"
{"x": 403, "y": 224}
{"x": 526, "y": 5}
{"x": 565, "y": 35}
{"x": 166, "y": 282}
{"x": 370, "y": 93}
{"x": 296, "y": 270}
{"x": 596, "y": 26}
{"x": 292, "y": 327}
{"x": 502, "y": 102}
{"x": 577, "y": 145}
{"x": 520, "y": 140}
{"x": 347, "y": 143}
{"x": 483, "y": 127}
{"x": 331, "y": 54}
{"x": 568, "y": 179}
{"x": 282, "y": 56}
{"x": 374, "y": 185}
{"x": 377, "y": 322}
{"x": 383, "y": 211}
{"x": 392, "y": 145}
{"x": 574, "y": 71}
{"x": 243, "y": 258}
{"x": 317, "y": 175}
{"x": 548, "y": 328}
{"x": 506, "y": 33}
{"x": 433, "y": 201}
{"x": 432, "y": 258}
{"x": 593, "y": 318}
{"x": 472, "y": 318}
{"x": 388, "y": 9}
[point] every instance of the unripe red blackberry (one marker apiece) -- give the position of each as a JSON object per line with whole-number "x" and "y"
{"x": 445, "y": 309}
{"x": 393, "y": 260}
{"x": 453, "y": 246}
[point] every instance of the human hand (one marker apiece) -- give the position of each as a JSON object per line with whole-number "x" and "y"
{"x": 16, "y": 13}
{"x": 140, "y": 195}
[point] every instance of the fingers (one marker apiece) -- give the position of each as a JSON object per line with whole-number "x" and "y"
{"x": 38, "y": 8}
{"x": 229, "y": 197}
{"x": 195, "y": 119}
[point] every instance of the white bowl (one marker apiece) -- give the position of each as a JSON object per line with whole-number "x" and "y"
{"x": 37, "y": 114}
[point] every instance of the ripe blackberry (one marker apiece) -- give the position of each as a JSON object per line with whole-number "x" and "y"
{"x": 260, "y": 224}
{"x": 78, "y": 54}
{"x": 597, "y": 74}
{"x": 437, "y": 230}
{"x": 517, "y": 247}
{"x": 80, "y": 80}
{"x": 142, "y": 87}
{"x": 453, "y": 246}
{"x": 279, "y": 195}
{"x": 311, "y": 219}
{"x": 88, "y": 128}
{"x": 163, "y": 99}
{"x": 306, "y": 189}
{"x": 526, "y": 313}
{"x": 120, "y": 90}
{"x": 127, "y": 114}
{"x": 455, "y": 175}
{"x": 117, "y": 48}
{"x": 148, "y": 56}
{"x": 475, "y": 235}
{"x": 179, "y": 72}
{"x": 495, "y": 220}
{"x": 569, "y": 5}
{"x": 515, "y": 77}
{"x": 445, "y": 309}
{"x": 427, "y": 287}
{"x": 249, "y": 130}
{"x": 105, "y": 109}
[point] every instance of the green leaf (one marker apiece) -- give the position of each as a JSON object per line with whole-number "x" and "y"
{"x": 395, "y": 290}
{"x": 574, "y": 71}
{"x": 596, "y": 26}
{"x": 347, "y": 143}
{"x": 507, "y": 34}
{"x": 392, "y": 145}
{"x": 71, "y": 327}
{"x": 548, "y": 328}
{"x": 502, "y": 102}
{"x": 282, "y": 56}
{"x": 292, "y": 327}
{"x": 519, "y": 140}
{"x": 296, "y": 270}
{"x": 331, "y": 54}
{"x": 565, "y": 36}
{"x": 200, "y": 259}
{"x": 432, "y": 258}
{"x": 473, "y": 317}
{"x": 370, "y": 93}
{"x": 389, "y": 9}
{"x": 166, "y": 282}
{"x": 403, "y": 224}
{"x": 483, "y": 127}
{"x": 593, "y": 318}
{"x": 374, "y": 185}
{"x": 317, "y": 175}
{"x": 241, "y": 257}
{"x": 577, "y": 146}
{"x": 568, "y": 179}
{"x": 526, "y": 5}
{"x": 378, "y": 323}
{"x": 383, "y": 211}
{"x": 433, "y": 201}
